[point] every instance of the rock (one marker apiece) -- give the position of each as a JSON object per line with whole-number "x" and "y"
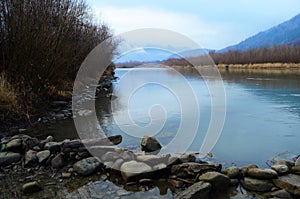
{"x": 296, "y": 170}
{"x": 284, "y": 162}
{"x": 280, "y": 168}
{"x": 150, "y": 144}
{"x": 110, "y": 156}
{"x": 199, "y": 190}
{"x": 245, "y": 168}
{"x": 30, "y": 142}
{"x": 278, "y": 194}
{"x": 31, "y": 187}
{"x": 133, "y": 168}
{"x": 297, "y": 163}
{"x": 191, "y": 169}
{"x": 53, "y": 147}
{"x": 7, "y": 158}
{"x": 232, "y": 172}
{"x": 234, "y": 182}
{"x": 257, "y": 185}
{"x": 66, "y": 175}
{"x": 217, "y": 180}
{"x": 159, "y": 166}
{"x": 262, "y": 173}
{"x": 128, "y": 156}
{"x": 43, "y": 156}
{"x": 153, "y": 159}
{"x": 187, "y": 158}
{"x": 290, "y": 183}
{"x": 31, "y": 158}
{"x": 15, "y": 145}
{"x": 87, "y": 166}
{"x": 58, "y": 162}
{"x": 117, "y": 164}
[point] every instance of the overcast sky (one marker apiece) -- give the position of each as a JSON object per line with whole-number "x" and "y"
{"x": 213, "y": 24}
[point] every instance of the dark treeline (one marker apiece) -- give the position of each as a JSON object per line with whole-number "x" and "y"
{"x": 276, "y": 54}
{"x": 282, "y": 54}
{"x": 43, "y": 43}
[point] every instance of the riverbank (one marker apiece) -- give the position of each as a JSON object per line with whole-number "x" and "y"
{"x": 70, "y": 163}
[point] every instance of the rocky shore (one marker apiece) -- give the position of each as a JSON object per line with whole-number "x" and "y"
{"x": 186, "y": 175}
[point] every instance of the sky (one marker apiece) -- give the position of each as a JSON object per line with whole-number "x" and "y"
{"x": 213, "y": 24}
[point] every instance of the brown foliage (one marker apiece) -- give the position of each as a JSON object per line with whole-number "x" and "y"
{"x": 43, "y": 43}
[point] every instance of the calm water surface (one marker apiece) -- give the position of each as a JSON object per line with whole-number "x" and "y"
{"x": 263, "y": 116}
{"x": 263, "y": 111}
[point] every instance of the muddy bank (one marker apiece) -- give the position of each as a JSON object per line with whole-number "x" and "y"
{"x": 32, "y": 168}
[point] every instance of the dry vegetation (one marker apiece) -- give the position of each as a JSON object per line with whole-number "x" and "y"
{"x": 8, "y": 97}
{"x": 42, "y": 46}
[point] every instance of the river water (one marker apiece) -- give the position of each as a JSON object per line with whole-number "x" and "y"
{"x": 262, "y": 112}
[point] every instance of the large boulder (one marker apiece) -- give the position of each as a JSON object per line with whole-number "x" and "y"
{"x": 15, "y": 145}
{"x": 297, "y": 163}
{"x": 280, "y": 168}
{"x": 217, "y": 180}
{"x": 87, "y": 166}
{"x": 290, "y": 183}
{"x": 262, "y": 173}
{"x": 43, "y": 156}
{"x": 58, "y": 161}
{"x": 30, "y": 142}
{"x": 53, "y": 147}
{"x": 153, "y": 159}
{"x": 278, "y": 194}
{"x": 199, "y": 190}
{"x": 31, "y": 187}
{"x": 31, "y": 158}
{"x": 7, "y": 158}
{"x": 232, "y": 172}
{"x": 150, "y": 144}
{"x": 133, "y": 168}
{"x": 191, "y": 169}
{"x": 257, "y": 185}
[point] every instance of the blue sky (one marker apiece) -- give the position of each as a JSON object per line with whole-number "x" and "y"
{"x": 213, "y": 24}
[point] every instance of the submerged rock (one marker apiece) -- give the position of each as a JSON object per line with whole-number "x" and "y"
{"x": 87, "y": 166}
{"x": 262, "y": 173}
{"x": 217, "y": 180}
{"x": 257, "y": 185}
{"x": 199, "y": 190}
{"x": 31, "y": 187}
{"x": 150, "y": 144}
{"x": 7, "y": 158}
{"x": 290, "y": 183}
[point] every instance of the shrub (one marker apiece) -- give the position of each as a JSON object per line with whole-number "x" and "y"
{"x": 43, "y": 43}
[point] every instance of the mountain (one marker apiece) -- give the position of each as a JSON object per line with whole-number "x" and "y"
{"x": 287, "y": 33}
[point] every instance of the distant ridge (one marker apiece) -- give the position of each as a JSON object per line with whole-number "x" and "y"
{"x": 287, "y": 33}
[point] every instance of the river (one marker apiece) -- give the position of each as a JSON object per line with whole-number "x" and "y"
{"x": 262, "y": 113}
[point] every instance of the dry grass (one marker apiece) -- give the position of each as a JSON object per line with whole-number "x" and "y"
{"x": 8, "y": 96}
